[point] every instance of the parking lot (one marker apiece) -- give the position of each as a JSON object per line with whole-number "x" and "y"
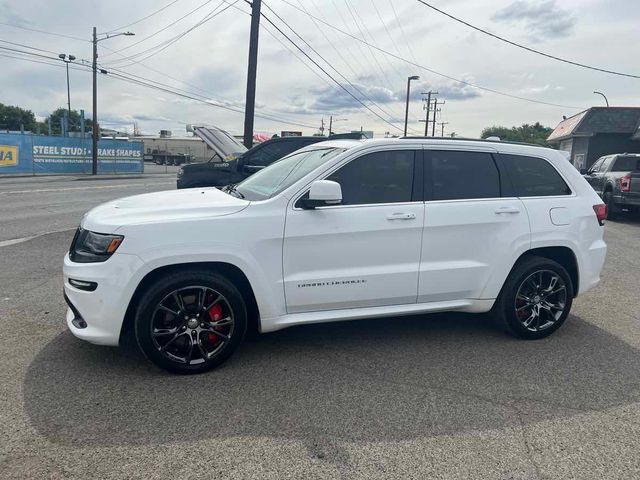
{"x": 439, "y": 396}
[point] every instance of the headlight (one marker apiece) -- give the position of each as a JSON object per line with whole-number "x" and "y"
{"x": 88, "y": 247}
{"x": 180, "y": 171}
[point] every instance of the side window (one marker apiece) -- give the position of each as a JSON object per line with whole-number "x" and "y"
{"x": 605, "y": 165}
{"x": 270, "y": 153}
{"x": 463, "y": 175}
{"x": 596, "y": 166}
{"x": 534, "y": 177}
{"x": 381, "y": 177}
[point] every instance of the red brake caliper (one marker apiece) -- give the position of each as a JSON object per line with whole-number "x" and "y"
{"x": 215, "y": 314}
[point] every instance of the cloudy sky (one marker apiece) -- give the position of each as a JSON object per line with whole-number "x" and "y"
{"x": 208, "y": 62}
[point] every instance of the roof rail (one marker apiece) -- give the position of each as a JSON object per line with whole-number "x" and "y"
{"x": 466, "y": 139}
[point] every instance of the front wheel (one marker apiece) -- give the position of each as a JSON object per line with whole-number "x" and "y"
{"x": 536, "y": 298}
{"x": 190, "y": 321}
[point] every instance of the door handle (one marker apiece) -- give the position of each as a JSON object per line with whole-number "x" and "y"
{"x": 501, "y": 210}
{"x": 401, "y": 216}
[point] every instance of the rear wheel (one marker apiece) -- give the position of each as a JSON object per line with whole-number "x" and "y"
{"x": 190, "y": 321}
{"x": 536, "y": 298}
{"x": 613, "y": 211}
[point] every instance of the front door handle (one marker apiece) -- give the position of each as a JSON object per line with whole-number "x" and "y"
{"x": 501, "y": 210}
{"x": 401, "y": 216}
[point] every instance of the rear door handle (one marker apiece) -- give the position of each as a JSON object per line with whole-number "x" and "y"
{"x": 401, "y": 216}
{"x": 501, "y": 210}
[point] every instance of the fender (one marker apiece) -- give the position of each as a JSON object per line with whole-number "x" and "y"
{"x": 267, "y": 288}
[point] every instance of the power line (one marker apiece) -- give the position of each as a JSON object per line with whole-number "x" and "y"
{"x": 141, "y": 81}
{"x": 163, "y": 28}
{"x": 29, "y": 47}
{"x": 143, "y": 18}
{"x": 430, "y": 70}
{"x": 384, "y": 24}
{"x": 375, "y": 59}
{"x": 404, "y": 36}
{"x": 524, "y": 47}
{"x": 202, "y": 100}
{"x": 325, "y": 72}
{"x": 167, "y": 43}
{"x": 33, "y": 60}
{"x": 44, "y": 32}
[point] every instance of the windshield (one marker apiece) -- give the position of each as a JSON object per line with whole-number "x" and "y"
{"x": 626, "y": 164}
{"x": 279, "y": 175}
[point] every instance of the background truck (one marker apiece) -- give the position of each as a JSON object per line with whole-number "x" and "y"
{"x": 164, "y": 157}
{"x": 616, "y": 178}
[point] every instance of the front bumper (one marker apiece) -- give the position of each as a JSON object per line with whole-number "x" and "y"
{"x": 102, "y": 311}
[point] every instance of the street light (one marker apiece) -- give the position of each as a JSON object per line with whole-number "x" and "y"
{"x": 96, "y": 128}
{"x": 406, "y": 112}
{"x": 605, "y": 97}
{"x": 67, "y": 59}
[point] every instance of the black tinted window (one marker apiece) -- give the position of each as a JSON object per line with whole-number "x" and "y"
{"x": 459, "y": 175}
{"x": 626, "y": 164}
{"x": 382, "y": 177}
{"x": 534, "y": 177}
{"x": 271, "y": 152}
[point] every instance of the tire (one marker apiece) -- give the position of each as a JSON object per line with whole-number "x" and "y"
{"x": 613, "y": 211}
{"x": 513, "y": 311}
{"x": 181, "y": 341}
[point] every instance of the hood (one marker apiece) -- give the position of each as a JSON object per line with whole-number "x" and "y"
{"x": 158, "y": 207}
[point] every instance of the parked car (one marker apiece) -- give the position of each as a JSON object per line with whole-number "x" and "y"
{"x": 213, "y": 174}
{"x": 616, "y": 178}
{"x": 339, "y": 230}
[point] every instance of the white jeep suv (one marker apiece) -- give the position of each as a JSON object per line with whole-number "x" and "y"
{"x": 339, "y": 230}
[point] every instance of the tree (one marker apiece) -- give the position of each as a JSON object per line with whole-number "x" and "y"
{"x": 74, "y": 121}
{"x": 526, "y": 133}
{"x": 15, "y": 118}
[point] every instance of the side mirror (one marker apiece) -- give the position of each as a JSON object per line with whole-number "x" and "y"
{"x": 321, "y": 194}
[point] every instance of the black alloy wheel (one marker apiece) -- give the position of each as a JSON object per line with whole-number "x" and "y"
{"x": 190, "y": 322}
{"x": 535, "y": 299}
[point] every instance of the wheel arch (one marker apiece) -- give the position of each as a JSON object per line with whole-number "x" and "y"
{"x": 560, "y": 254}
{"x": 232, "y": 272}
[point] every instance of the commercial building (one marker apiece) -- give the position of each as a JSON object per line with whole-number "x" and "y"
{"x": 598, "y": 131}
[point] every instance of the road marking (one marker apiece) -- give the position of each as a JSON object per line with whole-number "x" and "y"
{"x": 14, "y": 241}
{"x": 43, "y": 190}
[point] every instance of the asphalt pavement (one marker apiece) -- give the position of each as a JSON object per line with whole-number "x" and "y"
{"x": 438, "y": 396}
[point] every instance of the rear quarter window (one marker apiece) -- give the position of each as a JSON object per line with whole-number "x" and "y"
{"x": 533, "y": 176}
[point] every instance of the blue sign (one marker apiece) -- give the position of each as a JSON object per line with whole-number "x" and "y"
{"x": 37, "y": 154}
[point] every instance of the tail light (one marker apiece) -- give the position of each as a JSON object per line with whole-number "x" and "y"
{"x": 625, "y": 183}
{"x": 601, "y": 212}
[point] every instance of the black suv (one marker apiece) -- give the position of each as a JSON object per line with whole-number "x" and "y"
{"x": 214, "y": 174}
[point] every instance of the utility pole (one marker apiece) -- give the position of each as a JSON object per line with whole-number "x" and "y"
{"x": 95, "y": 130}
{"x": 322, "y": 126}
{"x": 250, "y": 103}
{"x": 442, "y": 124}
{"x": 330, "y": 124}
{"x": 435, "y": 112}
{"x": 427, "y": 110}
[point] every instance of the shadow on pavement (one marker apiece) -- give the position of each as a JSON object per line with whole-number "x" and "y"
{"x": 372, "y": 380}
